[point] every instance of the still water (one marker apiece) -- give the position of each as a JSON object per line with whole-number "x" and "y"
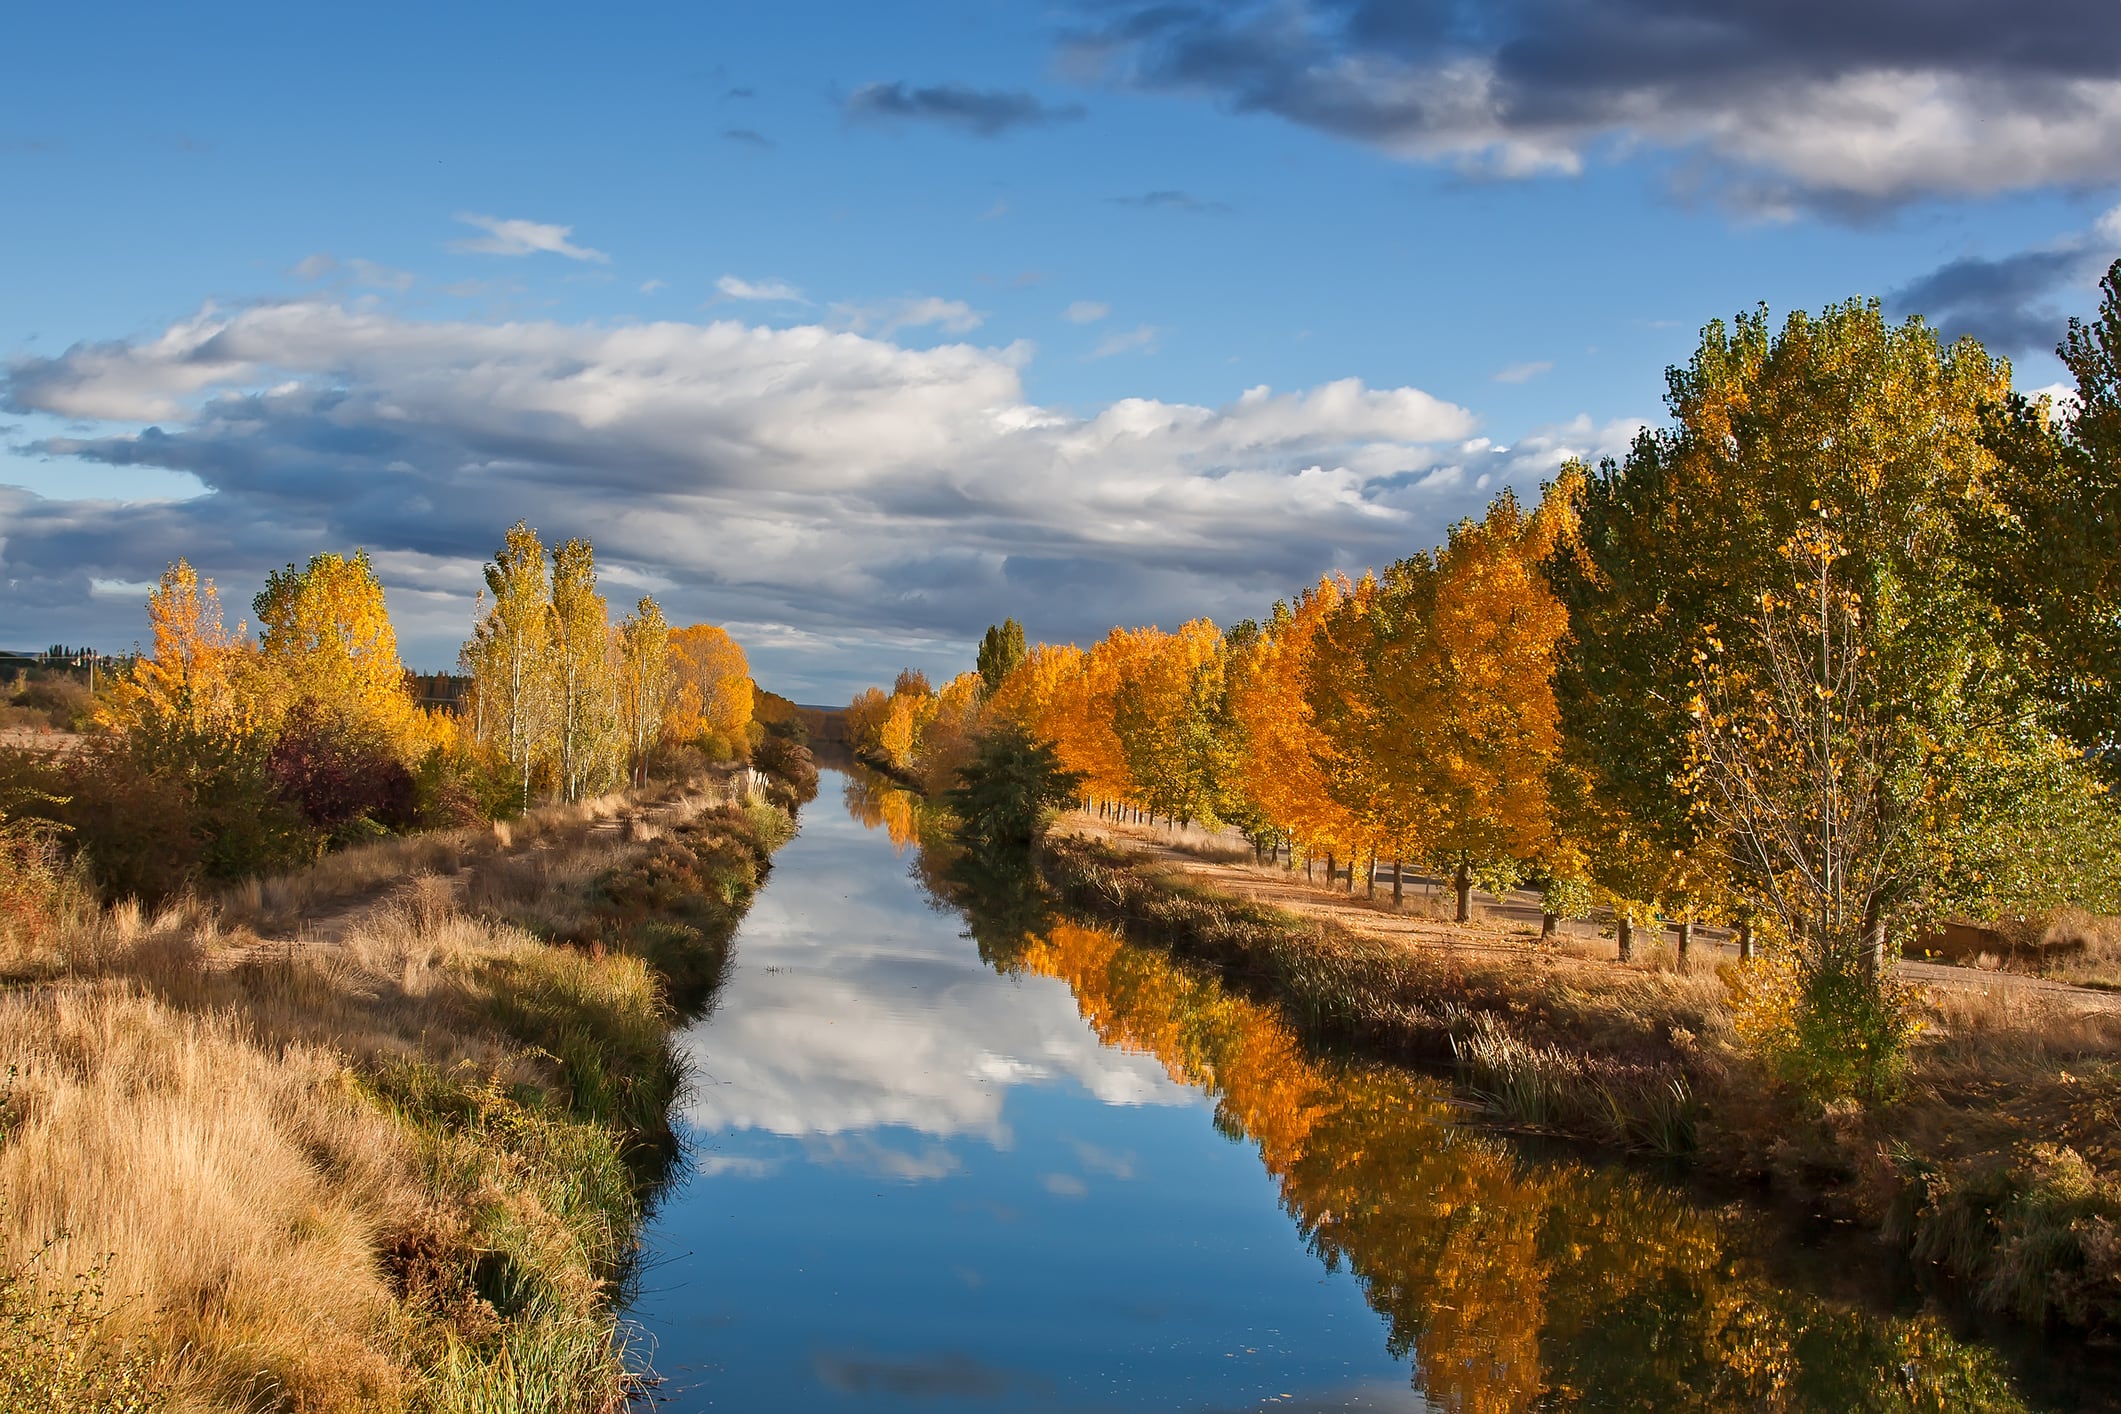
{"x": 1082, "y": 1178}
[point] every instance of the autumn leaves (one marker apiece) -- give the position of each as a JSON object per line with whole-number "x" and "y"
{"x": 573, "y": 705}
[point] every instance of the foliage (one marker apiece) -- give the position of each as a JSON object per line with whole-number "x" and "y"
{"x": 346, "y": 783}
{"x": 1010, "y": 787}
{"x": 325, "y": 638}
{"x": 1001, "y": 652}
{"x": 59, "y": 1350}
{"x": 2050, "y": 538}
{"x": 711, "y": 694}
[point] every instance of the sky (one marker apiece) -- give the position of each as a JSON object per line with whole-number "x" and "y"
{"x": 855, "y": 328}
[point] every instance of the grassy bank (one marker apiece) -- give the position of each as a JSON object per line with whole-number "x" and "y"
{"x": 2000, "y": 1159}
{"x": 395, "y": 1164}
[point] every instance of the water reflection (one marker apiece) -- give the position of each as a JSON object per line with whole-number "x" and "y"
{"x": 987, "y": 1192}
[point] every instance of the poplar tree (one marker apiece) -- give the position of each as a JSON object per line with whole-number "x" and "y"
{"x": 585, "y": 737}
{"x": 508, "y": 650}
{"x": 643, "y": 651}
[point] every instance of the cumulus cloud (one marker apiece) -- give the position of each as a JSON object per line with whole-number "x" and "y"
{"x": 1086, "y": 311}
{"x": 514, "y": 237}
{"x": 1773, "y": 105}
{"x": 779, "y": 291}
{"x": 2009, "y": 302}
{"x": 853, "y": 502}
{"x": 978, "y": 111}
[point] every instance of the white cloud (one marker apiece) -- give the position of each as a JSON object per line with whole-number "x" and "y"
{"x": 649, "y": 287}
{"x": 779, "y": 291}
{"x": 1085, "y": 311}
{"x": 887, "y": 317}
{"x": 1523, "y": 372}
{"x": 517, "y": 237}
{"x": 1141, "y": 339}
{"x": 850, "y": 501}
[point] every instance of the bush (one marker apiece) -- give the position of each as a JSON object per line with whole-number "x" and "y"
{"x": 55, "y": 1351}
{"x": 338, "y": 776}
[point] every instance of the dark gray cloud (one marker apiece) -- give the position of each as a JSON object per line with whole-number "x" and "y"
{"x": 2014, "y": 303}
{"x": 846, "y": 503}
{"x": 979, "y": 111}
{"x": 1848, "y": 104}
{"x": 1170, "y": 200}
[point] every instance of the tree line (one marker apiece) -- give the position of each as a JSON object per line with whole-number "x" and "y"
{"x": 224, "y": 751}
{"x": 1830, "y": 655}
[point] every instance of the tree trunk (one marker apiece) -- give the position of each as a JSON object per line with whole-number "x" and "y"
{"x": 1745, "y": 938}
{"x": 1398, "y": 891}
{"x": 1549, "y": 925}
{"x": 1464, "y": 884}
{"x": 1686, "y": 938}
{"x": 1874, "y": 941}
{"x": 1330, "y": 874}
{"x": 1624, "y": 929}
{"x": 1370, "y": 883}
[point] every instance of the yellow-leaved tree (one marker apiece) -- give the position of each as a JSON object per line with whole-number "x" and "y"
{"x": 642, "y": 649}
{"x": 198, "y": 676}
{"x": 710, "y": 696}
{"x": 325, "y": 636}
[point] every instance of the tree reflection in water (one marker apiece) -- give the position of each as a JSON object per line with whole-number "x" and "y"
{"x": 1510, "y": 1283}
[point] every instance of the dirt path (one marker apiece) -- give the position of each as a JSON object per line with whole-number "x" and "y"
{"x": 1501, "y": 925}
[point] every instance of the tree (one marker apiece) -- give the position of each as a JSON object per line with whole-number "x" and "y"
{"x": 508, "y": 651}
{"x": 324, "y": 631}
{"x": 644, "y": 679}
{"x": 1009, "y": 788}
{"x": 1795, "y": 763}
{"x": 2048, "y": 545}
{"x": 1877, "y": 428}
{"x": 711, "y": 697}
{"x": 196, "y": 674}
{"x": 586, "y": 741}
{"x": 1000, "y": 651}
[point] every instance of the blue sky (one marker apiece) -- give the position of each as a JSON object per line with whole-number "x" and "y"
{"x": 856, "y": 327}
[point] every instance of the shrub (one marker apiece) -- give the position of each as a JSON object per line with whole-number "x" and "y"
{"x": 338, "y": 776}
{"x": 56, "y": 1352}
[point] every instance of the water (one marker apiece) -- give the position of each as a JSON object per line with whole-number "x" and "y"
{"x": 1083, "y": 1178}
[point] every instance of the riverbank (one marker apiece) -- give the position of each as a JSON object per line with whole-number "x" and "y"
{"x": 376, "y": 1136}
{"x": 2000, "y": 1161}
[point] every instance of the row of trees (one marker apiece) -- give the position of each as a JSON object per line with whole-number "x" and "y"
{"x": 569, "y": 700}
{"x": 1832, "y": 653}
{"x": 222, "y": 752}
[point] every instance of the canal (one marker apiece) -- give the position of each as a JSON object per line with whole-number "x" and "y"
{"x": 1063, "y": 1173}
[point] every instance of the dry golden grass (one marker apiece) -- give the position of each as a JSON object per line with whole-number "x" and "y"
{"x": 286, "y": 1156}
